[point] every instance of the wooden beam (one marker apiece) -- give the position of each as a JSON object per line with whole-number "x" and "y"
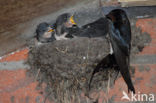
{"x": 127, "y": 3}
{"x": 131, "y": 0}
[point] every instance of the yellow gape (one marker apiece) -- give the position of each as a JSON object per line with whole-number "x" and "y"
{"x": 72, "y": 20}
{"x": 51, "y": 30}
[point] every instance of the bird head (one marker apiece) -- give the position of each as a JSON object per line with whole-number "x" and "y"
{"x": 44, "y": 32}
{"x": 117, "y": 15}
{"x": 66, "y": 20}
{"x": 63, "y": 24}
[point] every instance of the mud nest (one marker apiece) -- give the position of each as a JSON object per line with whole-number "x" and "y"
{"x": 66, "y": 66}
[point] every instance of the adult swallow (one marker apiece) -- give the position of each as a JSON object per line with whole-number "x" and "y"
{"x": 120, "y": 39}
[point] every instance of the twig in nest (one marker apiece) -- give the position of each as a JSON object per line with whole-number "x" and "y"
{"x": 47, "y": 97}
{"x": 108, "y": 86}
{"x": 62, "y": 51}
{"x": 38, "y": 71}
{"x": 83, "y": 79}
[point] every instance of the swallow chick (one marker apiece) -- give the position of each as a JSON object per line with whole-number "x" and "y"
{"x": 120, "y": 41}
{"x": 64, "y": 25}
{"x": 44, "y": 33}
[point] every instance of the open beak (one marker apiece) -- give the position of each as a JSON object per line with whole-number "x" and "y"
{"x": 51, "y": 30}
{"x": 72, "y": 20}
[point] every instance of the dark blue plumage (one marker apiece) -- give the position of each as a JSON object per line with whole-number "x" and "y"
{"x": 120, "y": 38}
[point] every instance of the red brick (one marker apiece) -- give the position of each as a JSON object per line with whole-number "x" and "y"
{"x": 148, "y": 26}
{"x": 17, "y": 56}
{"x": 15, "y": 84}
{"x": 10, "y": 77}
{"x": 143, "y": 86}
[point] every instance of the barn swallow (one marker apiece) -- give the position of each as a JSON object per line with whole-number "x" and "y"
{"x": 44, "y": 33}
{"x": 64, "y": 23}
{"x": 120, "y": 39}
{"x": 61, "y": 29}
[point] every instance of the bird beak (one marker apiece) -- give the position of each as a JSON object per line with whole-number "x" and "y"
{"x": 72, "y": 20}
{"x": 51, "y": 30}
